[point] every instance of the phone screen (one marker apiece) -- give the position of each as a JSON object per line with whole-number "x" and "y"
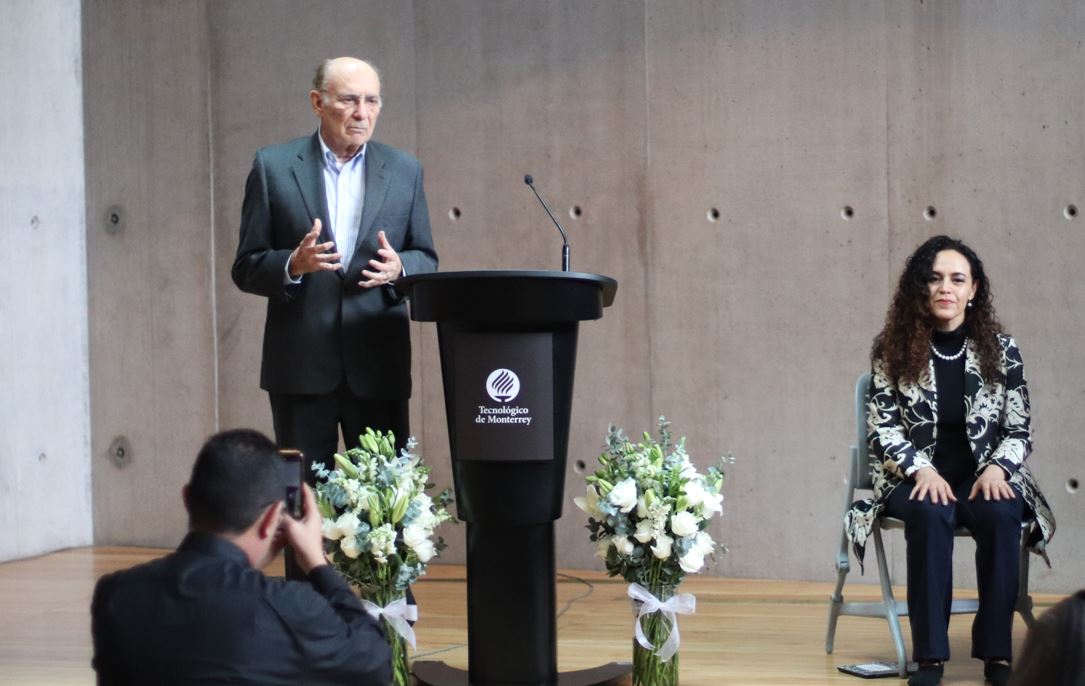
{"x": 293, "y": 463}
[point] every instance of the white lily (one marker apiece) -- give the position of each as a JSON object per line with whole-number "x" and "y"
{"x": 589, "y": 502}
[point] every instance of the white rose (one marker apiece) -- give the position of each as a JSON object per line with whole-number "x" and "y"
{"x": 330, "y": 530}
{"x": 425, "y": 520}
{"x": 589, "y": 503}
{"x": 624, "y": 494}
{"x": 622, "y": 544}
{"x": 414, "y": 536}
{"x": 662, "y": 547}
{"x": 692, "y": 561}
{"x": 348, "y": 524}
{"x": 644, "y": 533}
{"x": 684, "y": 523}
{"x": 349, "y": 546}
{"x": 425, "y": 550}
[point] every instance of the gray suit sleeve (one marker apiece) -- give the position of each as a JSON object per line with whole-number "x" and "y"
{"x": 418, "y": 254}
{"x": 259, "y": 265}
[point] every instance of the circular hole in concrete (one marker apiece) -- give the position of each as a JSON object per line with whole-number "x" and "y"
{"x": 42, "y": 457}
{"x": 35, "y": 222}
{"x": 1070, "y": 212}
{"x": 454, "y": 213}
{"x": 1071, "y": 485}
{"x": 847, "y": 212}
{"x": 579, "y": 466}
{"x": 930, "y": 212}
{"x": 575, "y": 212}
{"x": 713, "y": 215}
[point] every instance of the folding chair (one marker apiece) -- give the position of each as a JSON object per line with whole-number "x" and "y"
{"x": 860, "y": 478}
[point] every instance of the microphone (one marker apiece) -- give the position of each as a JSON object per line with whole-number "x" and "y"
{"x": 530, "y": 181}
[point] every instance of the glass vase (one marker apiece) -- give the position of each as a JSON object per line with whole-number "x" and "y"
{"x": 401, "y": 669}
{"x": 649, "y": 669}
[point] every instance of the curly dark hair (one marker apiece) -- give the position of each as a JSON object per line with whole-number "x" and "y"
{"x": 904, "y": 344}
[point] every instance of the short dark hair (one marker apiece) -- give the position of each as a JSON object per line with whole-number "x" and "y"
{"x": 1054, "y": 649}
{"x": 237, "y": 474}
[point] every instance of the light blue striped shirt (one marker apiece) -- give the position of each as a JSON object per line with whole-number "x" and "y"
{"x": 344, "y": 189}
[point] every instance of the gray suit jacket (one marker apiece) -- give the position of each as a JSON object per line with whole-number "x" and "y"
{"x": 328, "y": 327}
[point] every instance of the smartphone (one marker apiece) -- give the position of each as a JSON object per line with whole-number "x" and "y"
{"x": 293, "y": 464}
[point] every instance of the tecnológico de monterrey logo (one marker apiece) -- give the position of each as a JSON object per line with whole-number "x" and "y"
{"x": 503, "y": 385}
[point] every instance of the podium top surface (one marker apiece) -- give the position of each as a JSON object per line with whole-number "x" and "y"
{"x": 507, "y": 296}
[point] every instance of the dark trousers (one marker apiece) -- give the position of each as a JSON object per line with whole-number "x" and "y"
{"x": 312, "y": 424}
{"x": 996, "y": 527}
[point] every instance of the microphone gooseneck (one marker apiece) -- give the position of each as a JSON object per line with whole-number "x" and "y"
{"x": 530, "y": 181}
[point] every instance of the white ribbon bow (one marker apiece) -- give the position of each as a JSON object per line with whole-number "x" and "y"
{"x": 681, "y": 604}
{"x": 397, "y": 613}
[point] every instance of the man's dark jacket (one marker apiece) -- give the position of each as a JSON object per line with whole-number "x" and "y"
{"x": 203, "y": 615}
{"x": 328, "y": 327}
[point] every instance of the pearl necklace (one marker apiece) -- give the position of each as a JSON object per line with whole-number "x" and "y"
{"x": 950, "y": 358}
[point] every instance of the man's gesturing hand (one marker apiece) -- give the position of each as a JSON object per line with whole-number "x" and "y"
{"x": 385, "y": 270}
{"x": 311, "y": 256}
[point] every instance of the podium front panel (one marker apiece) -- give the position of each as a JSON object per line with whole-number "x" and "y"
{"x": 504, "y": 472}
{"x": 504, "y": 396}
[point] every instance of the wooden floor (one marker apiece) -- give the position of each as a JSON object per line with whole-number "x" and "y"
{"x": 744, "y": 631}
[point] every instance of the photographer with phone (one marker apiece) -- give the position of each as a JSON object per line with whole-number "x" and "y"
{"x": 206, "y": 613}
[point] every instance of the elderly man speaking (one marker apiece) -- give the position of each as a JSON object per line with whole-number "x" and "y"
{"x": 328, "y": 223}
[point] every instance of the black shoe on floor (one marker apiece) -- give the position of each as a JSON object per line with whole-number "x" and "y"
{"x": 996, "y": 673}
{"x": 927, "y": 675}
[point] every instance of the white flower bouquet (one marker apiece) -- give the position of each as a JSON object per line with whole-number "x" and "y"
{"x": 379, "y": 528}
{"x": 648, "y": 508}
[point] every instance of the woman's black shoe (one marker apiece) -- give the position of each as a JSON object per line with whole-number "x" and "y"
{"x": 927, "y": 675}
{"x": 996, "y": 673}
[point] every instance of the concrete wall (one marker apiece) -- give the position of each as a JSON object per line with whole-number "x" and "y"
{"x": 149, "y": 256}
{"x": 44, "y": 425}
{"x": 712, "y": 148}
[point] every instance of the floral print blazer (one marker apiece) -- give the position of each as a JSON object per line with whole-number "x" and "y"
{"x": 902, "y": 421}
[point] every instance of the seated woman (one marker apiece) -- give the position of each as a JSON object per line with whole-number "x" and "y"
{"x": 948, "y": 422}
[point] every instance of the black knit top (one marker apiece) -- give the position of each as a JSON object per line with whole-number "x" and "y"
{"x": 952, "y": 455}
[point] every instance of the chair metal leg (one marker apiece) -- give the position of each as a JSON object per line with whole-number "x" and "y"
{"x": 1024, "y": 600}
{"x": 834, "y": 613}
{"x": 836, "y": 600}
{"x": 892, "y": 617}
